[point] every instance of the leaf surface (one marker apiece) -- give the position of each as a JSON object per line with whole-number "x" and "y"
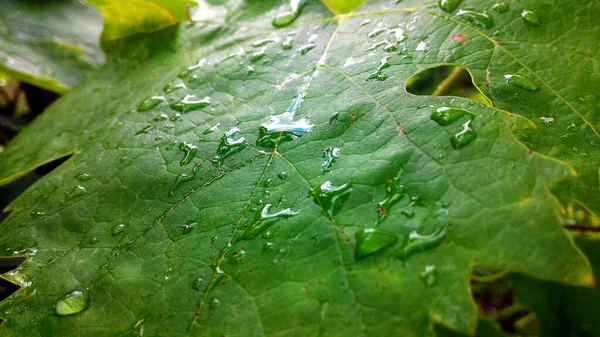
{"x": 232, "y": 178}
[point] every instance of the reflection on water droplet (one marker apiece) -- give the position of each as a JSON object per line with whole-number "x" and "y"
{"x": 372, "y": 240}
{"x": 306, "y": 48}
{"x": 482, "y": 19}
{"x": 72, "y": 303}
{"x": 501, "y": 7}
{"x": 265, "y": 220}
{"x": 429, "y": 275}
{"x": 150, "y": 103}
{"x": 188, "y": 227}
{"x": 522, "y": 82}
{"x": 283, "y": 127}
{"x": 77, "y": 191}
{"x": 229, "y": 146}
{"x": 190, "y": 103}
{"x": 394, "y": 192}
{"x": 417, "y": 242}
{"x": 331, "y": 198}
{"x": 464, "y": 137}
{"x": 531, "y": 18}
{"x": 547, "y": 120}
{"x": 189, "y": 153}
{"x": 287, "y": 17}
{"x": 448, "y": 5}
{"x": 83, "y": 177}
{"x": 422, "y": 46}
{"x": 331, "y": 154}
{"x": 118, "y": 229}
{"x": 446, "y": 115}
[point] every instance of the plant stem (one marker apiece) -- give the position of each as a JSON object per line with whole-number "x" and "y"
{"x": 447, "y": 84}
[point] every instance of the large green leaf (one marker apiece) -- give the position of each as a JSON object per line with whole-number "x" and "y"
{"x": 232, "y": 178}
{"x": 51, "y": 44}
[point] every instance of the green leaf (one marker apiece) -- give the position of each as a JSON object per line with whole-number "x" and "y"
{"x": 51, "y": 44}
{"x": 126, "y": 18}
{"x": 195, "y": 201}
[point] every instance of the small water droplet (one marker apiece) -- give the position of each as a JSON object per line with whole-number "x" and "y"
{"x": 417, "y": 242}
{"x": 118, "y": 229}
{"x": 394, "y": 192}
{"x": 429, "y": 275}
{"x": 282, "y": 175}
{"x": 572, "y": 127}
{"x": 531, "y": 18}
{"x": 211, "y": 129}
{"x": 229, "y": 146}
{"x": 365, "y": 22}
{"x": 189, "y": 153}
{"x": 377, "y": 31}
{"x": 547, "y": 120}
{"x": 72, "y": 303}
{"x": 331, "y": 154}
{"x": 83, "y": 177}
{"x": 377, "y": 75}
{"x": 446, "y": 115}
{"x": 257, "y": 56}
{"x": 422, "y": 46}
{"x": 482, "y": 19}
{"x": 38, "y": 214}
{"x": 333, "y": 117}
{"x": 188, "y": 227}
{"x": 77, "y": 191}
{"x": 283, "y": 127}
{"x": 145, "y": 130}
{"x": 522, "y": 82}
{"x": 190, "y": 103}
{"x": 265, "y": 219}
{"x": 268, "y": 247}
{"x": 169, "y": 88}
{"x": 448, "y": 5}
{"x": 287, "y": 17}
{"x": 306, "y": 48}
{"x": 198, "y": 284}
{"x": 464, "y": 137}
{"x": 183, "y": 178}
{"x": 331, "y": 198}
{"x": 288, "y": 43}
{"x": 501, "y": 7}
{"x": 262, "y": 42}
{"x": 372, "y": 240}
{"x": 161, "y": 118}
{"x": 150, "y": 103}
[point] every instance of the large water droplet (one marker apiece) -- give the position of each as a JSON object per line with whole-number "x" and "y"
{"x": 522, "y": 82}
{"x": 372, "y": 240}
{"x": 287, "y": 17}
{"x": 464, "y": 137}
{"x": 150, "y": 103}
{"x": 72, "y": 303}
{"x": 429, "y": 275}
{"x": 189, "y": 153}
{"x": 417, "y": 242}
{"x": 531, "y": 18}
{"x": 482, "y": 19}
{"x": 265, "y": 220}
{"x": 229, "y": 146}
{"x": 446, "y": 115}
{"x": 394, "y": 192}
{"x": 331, "y": 198}
{"x": 283, "y": 127}
{"x": 190, "y": 103}
{"x": 331, "y": 154}
{"x": 448, "y": 5}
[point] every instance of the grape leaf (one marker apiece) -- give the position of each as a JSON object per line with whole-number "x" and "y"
{"x": 51, "y": 44}
{"x": 265, "y": 173}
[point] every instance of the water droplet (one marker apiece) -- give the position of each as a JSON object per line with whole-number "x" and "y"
{"x": 282, "y": 175}
{"x": 83, "y": 177}
{"x": 365, "y": 22}
{"x": 150, "y": 103}
{"x": 417, "y": 242}
{"x": 229, "y": 146}
{"x": 547, "y": 120}
{"x": 145, "y": 130}
{"x": 77, "y": 191}
{"x": 501, "y": 7}
{"x": 422, "y": 46}
{"x": 288, "y": 43}
{"x": 331, "y": 154}
{"x": 211, "y": 129}
{"x": 183, "y": 178}
{"x": 306, "y": 48}
{"x": 169, "y": 88}
{"x": 531, "y": 18}
{"x": 287, "y": 17}
{"x": 283, "y": 127}
{"x": 257, "y": 56}
{"x": 333, "y": 117}
{"x": 464, "y": 137}
{"x": 262, "y": 42}
{"x": 522, "y": 82}
{"x": 189, "y": 153}
{"x": 190, "y": 103}
{"x": 268, "y": 247}
{"x": 198, "y": 284}
{"x": 446, "y": 115}
{"x": 377, "y": 75}
{"x": 372, "y": 240}
{"x": 448, "y": 5}
{"x": 161, "y": 118}
{"x": 429, "y": 275}
{"x": 331, "y": 198}
{"x": 265, "y": 220}
{"x": 394, "y": 192}
{"x": 377, "y": 31}
{"x": 38, "y": 214}
{"x": 408, "y": 213}
{"x": 72, "y": 303}
{"x": 118, "y": 229}
{"x": 188, "y": 227}
{"x": 482, "y": 19}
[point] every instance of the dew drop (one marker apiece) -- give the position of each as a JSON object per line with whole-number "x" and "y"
{"x": 306, "y": 48}
{"x": 464, "y": 137}
{"x": 501, "y": 7}
{"x": 150, "y": 103}
{"x": 188, "y": 227}
{"x": 257, "y": 56}
{"x": 531, "y": 18}
{"x": 183, "y": 178}
{"x": 417, "y": 242}
{"x": 429, "y": 275}
{"x": 38, "y": 214}
{"x": 287, "y": 17}
{"x": 145, "y": 130}
{"x": 522, "y": 82}
{"x": 446, "y": 115}
{"x": 482, "y": 19}
{"x": 72, "y": 303}
{"x": 83, "y": 177}
{"x": 118, "y": 229}
{"x": 333, "y": 117}
{"x": 377, "y": 31}
{"x": 268, "y": 247}
{"x": 169, "y": 88}
{"x": 547, "y": 120}
{"x": 365, "y": 22}
{"x": 283, "y": 127}
{"x": 331, "y": 154}
{"x": 190, "y": 103}
{"x": 288, "y": 43}
{"x": 331, "y": 198}
{"x": 394, "y": 192}
{"x": 77, "y": 191}
{"x": 282, "y": 175}
{"x": 372, "y": 240}
{"x": 229, "y": 146}
{"x": 265, "y": 219}
{"x": 198, "y": 284}
{"x": 189, "y": 153}
{"x": 262, "y": 42}
{"x": 161, "y": 118}
{"x": 448, "y": 5}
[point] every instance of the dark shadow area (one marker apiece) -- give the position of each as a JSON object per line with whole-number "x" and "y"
{"x": 445, "y": 81}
